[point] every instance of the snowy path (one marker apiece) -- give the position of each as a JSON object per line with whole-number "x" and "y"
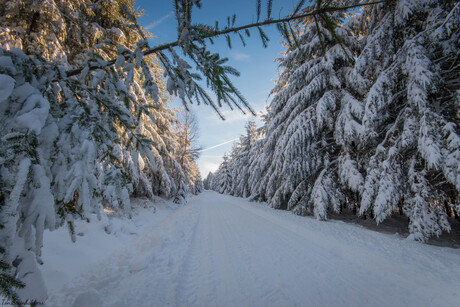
{"x": 224, "y": 251}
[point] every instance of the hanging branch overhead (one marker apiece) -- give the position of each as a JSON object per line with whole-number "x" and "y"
{"x": 209, "y": 32}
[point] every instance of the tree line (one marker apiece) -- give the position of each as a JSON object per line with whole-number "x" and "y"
{"x": 86, "y": 122}
{"x": 364, "y": 115}
{"x": 72, "y": 146}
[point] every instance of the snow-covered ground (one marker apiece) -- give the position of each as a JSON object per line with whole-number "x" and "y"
{"x": 224, "y": 251}
{"x": 64, "y": 260}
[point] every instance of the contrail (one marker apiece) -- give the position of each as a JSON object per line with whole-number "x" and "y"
{"x": 218, "y": 145}
{"x": 157, "y": 22}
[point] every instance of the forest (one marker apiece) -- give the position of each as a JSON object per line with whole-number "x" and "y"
{"x": 364, "y": 117}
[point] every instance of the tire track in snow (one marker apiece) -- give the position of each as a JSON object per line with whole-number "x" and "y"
{"x": 188, "y": 287}
{"x": 208, "y": 262}
{"x": 357, "y": 270}
{"x": 224, "y": 251}
{"x": 301, "y": 247}
{"x": 247, "y": 257}
{"x": 143, "y": 273}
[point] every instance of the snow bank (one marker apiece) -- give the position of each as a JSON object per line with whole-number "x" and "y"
{"x": 64, "y": 260}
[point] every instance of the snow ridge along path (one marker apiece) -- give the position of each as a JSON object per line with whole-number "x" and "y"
{"x": 224, "y": 251}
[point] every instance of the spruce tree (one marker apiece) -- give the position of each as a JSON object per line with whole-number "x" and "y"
{"x": 410, "y": 112}
{"x": 85, "y": 121}
{"x": 256, "y": 162}
{"x": 208, "y": 181}
{"x": 302, "y": 173}
{"x": 234, "y": 176}
{"x": 240, "y": 185}
{"x": 186, "y": 132}
{"x": 72, "y": 144}
{"x": 365, "y": 113}
{"x": 224, "y": 178}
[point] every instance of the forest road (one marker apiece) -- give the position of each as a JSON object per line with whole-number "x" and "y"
{"x": 220, "y": 250}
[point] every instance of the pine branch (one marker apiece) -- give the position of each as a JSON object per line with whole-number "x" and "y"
{"x": 298, "y": 7}
{"x": 269, "y": 9}
{"x": 258, "y": 9}
{"x": 214, "y": 33}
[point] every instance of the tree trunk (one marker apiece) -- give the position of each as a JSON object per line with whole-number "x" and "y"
{"x": 447, "y": 208}
{"x": 400, "y": 206}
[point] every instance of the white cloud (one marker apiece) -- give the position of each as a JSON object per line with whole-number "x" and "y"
{"x": 239, "y": 56}
{"x": 159, "y": 21}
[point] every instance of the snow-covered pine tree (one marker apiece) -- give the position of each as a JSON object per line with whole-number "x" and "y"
{"x": 207, "y": 183}
{"x": 234, "y": 174}
{"x": 256, "y": 161}
{"x": 241, "y": 161}
{"x": 27, "y": 140}
{"x": 238, "y": 162}
{"x": 254, "y": 169}
{"x": 214, "y": 184}
{"x": 186, "y": 132}
{"x": 300, "y": 148}
{"x": 195, "y": 180}
{"x": 70, "y": 143}
{"x": 223, "y": 179}
{"x": 232, "y": 164}
{"x": 411, "y": 67}
{"x": 8, "y": 281}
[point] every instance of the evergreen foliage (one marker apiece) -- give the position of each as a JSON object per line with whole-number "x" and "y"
{"x": 71, "y": 145}
{"x": 223, "y": 182}
{"x": 208, "y": 181}
{"x": 409, "y": 112}
{"x": 364, "y": 114}
{"x": 8, "y": 282}
{"x": 186, "y": 132}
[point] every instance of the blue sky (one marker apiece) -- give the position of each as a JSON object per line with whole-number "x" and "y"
{"x": 256, "y": 64}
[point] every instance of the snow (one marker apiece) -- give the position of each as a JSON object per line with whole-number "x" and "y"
{"x": 34, "y": 113}
{"x": 23, "y": 172}
{"x": 31, "y": 277}
{"x": 63, "y": 259}
{"x": 6, "y": 86}
{"x": 88, "y": 299}
{"x": 7, "y": 64}
{"x": 220, "y": 250}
